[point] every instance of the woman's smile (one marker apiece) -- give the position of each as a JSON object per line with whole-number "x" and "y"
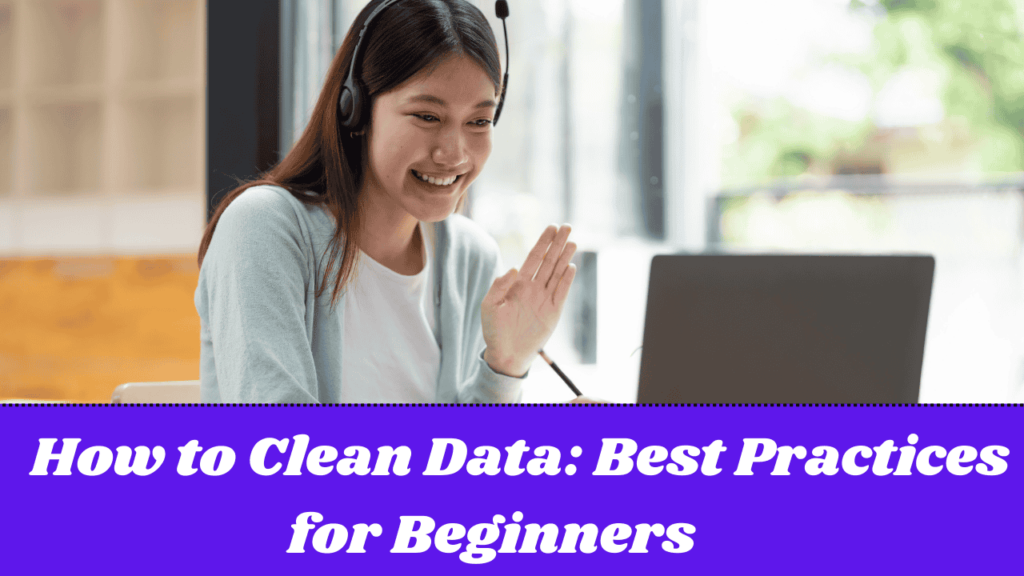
{"x": 438, "y": 180}
{"x": 436, "y": 190}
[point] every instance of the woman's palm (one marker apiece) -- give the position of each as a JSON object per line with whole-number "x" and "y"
{"x": 521, "y": 309}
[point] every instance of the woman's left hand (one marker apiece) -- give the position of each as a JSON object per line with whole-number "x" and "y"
{"x": 522, "y": 308}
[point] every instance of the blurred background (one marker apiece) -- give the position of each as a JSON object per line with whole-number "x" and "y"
{"x": 652, "y": 126}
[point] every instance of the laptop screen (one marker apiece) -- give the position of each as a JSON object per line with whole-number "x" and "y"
{"x": 785, "y": 329}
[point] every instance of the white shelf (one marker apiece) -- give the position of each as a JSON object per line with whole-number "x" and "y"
{"x": 51, "y": 226}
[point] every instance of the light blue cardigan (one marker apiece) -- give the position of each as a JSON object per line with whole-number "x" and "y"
{"x": 266, "y": 337}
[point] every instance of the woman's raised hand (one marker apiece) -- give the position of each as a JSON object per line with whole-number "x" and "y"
{"x": 522, "y": 308}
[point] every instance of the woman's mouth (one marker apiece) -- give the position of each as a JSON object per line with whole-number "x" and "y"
{"x": 440, "y": 182}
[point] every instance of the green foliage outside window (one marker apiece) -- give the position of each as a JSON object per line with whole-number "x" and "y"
{"x": 976, "y": 48}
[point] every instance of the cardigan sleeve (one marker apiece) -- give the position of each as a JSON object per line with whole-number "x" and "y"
{"x": 251, "y": 298}
{"x": 485, "y": 386}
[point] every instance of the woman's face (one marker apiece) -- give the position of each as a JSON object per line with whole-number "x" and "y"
{"x": 430, "y": 137}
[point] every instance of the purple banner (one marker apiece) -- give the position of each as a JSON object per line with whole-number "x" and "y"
{"x": 869, "y": 489}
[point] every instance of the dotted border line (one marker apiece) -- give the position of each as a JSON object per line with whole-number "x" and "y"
{"x": 547, "y": 405}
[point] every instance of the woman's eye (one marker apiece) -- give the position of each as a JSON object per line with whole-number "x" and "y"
{"x": 427, "y": 117}
{"x": 481, "y": 122}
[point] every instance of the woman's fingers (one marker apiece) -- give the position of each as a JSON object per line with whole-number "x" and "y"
{"x": 563, "y": 261}
{"x": 536, "y": 255}
{"x": 547, "y": 268}
{"x": 562, "y": 290}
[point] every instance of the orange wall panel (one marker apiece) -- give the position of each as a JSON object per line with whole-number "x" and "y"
{"x": 75, "y": 328}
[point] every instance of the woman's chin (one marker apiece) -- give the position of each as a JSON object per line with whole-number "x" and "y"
{"x": 437, "y": 209}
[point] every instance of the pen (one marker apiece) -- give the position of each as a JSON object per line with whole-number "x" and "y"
{"x": 560, "y": 373}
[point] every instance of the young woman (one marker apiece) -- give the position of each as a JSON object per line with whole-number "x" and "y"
{"x": 342, "y": 275}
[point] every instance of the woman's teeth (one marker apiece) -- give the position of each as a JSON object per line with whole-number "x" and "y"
{"x": 435, "y": 181}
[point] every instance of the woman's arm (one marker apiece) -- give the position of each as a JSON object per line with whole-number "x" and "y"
{"x": 252, "y": 299}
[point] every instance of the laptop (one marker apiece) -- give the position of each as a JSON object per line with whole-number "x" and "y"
{"x": 785, "y": 329}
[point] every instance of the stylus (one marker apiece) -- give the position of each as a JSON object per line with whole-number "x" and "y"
{"x": 558, "y": 371}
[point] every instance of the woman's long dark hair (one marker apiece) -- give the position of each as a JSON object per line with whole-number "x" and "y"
{"x": 404, "y": 39}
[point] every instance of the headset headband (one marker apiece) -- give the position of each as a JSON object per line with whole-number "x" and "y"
{"x": 351, "y": 102}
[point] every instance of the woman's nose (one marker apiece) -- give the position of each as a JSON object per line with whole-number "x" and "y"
{"x": 450, "y": 148}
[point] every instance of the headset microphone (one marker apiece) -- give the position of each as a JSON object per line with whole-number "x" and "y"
{"x": 352, "y": 103}
{"x": 501, "y": 9}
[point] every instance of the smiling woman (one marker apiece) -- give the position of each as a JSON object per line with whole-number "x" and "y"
{"x": 342, "y": 274}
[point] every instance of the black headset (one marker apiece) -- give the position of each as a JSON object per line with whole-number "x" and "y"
{"x": 352, "y": 102}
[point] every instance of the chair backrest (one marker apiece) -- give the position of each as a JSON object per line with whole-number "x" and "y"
{"x": 183, "y": 391}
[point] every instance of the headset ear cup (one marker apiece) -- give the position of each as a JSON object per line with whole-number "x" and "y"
{"x": 345, "y": 106}
{"x": 350, "y": 106}
{"x": 356, "y": 121}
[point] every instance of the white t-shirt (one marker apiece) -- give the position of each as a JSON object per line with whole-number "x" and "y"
{"x": 392, "y": 347}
